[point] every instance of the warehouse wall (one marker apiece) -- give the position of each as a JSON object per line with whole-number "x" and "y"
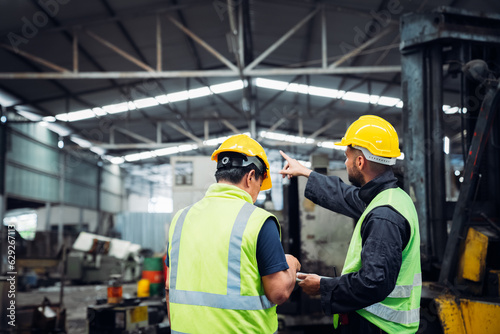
{"x": 36, "y": 166}
{"x": 192, "y": 177}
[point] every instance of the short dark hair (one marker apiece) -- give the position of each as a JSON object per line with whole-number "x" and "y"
{"x": 232, "y": 174}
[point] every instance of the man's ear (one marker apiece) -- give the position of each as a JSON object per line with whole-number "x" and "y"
{"x": 361, "y": 161}
{"x": 250, "y": 175}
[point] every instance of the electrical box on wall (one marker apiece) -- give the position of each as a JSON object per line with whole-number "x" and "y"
{"x": 192, "y": 177}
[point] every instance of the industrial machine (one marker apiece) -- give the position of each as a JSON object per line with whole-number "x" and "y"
{"x": 452, "y": 50}
{"x": 95, "y": 258}
{"x": 319, "y": 238}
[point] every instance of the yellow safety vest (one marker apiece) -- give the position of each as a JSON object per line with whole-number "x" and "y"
{"x": 400, "y": 311}
{"x": 215, "y": 285}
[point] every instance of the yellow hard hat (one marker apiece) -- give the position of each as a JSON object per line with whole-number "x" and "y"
{"x": 375, "y": 134}
{"x": 251, "y": 148}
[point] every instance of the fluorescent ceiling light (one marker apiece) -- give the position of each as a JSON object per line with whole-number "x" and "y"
{"x": 7, "y": 100}
{"x": 80, "y": 141}
{"x": 271, "y": 84}
{"x": 144, "y": 103}
{"x": 388, "y": 101}
{"x": 214, "y": 141}
{"x": 162, "y": 99}
{"x": 179, "y": 96}
{"x": 298, "y": 88}
{"x": 331, "y": 145}
{"x": 76, "y": 115}
{"x": 59, "y": 129}
{"x": 199, "y": 92}
{"x": 99, "y": 111}
{"x": 139, "y": 156}
{"x": 115, "y": 160}
{"x": 446, "y": 145}
{"x": 227, "y": 87}
{"x": 29, "y": 115}
{"x": 97, "y": 150}
{"x": 374, "y": 99}
{"x": 325, "y": 92}
{"x": 285, "y": 137}
{"x": 49, "y": 119}
{"x": 356, "y": 97}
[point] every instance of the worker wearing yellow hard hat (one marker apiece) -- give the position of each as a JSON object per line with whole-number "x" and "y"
{"x": 226, "y": 267}
{"x": 381, "y": 282}
{"x": 252, "y": 153}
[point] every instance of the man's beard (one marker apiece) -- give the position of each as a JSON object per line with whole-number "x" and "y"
{"x": 355, "y": 177}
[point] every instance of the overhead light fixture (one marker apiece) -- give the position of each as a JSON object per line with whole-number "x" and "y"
{"x": 357, "y": 97}
{"x": 271, "y": 84}
{"x": 227, "y": 87}
{"x": 115, "y": 160}
{"x": 286, "y": 137}
{"x": 80, "y": 141}
{"x": 144, "y": 103}
{"x": 388, "y": 101}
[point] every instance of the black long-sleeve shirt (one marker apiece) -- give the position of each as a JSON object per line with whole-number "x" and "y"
{"x": 384, "y": 232}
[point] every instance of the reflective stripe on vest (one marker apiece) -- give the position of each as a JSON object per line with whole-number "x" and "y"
{"x": 400, "y": 317}
{"x": 232, "y": 299}
{"x": 404, "y": 291}
{"x": 177, "y": 332}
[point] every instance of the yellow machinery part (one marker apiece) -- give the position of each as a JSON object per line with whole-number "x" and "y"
{"x": 468, "y": 316}
{"x": 450, "y": 315}
{"x": 473, "y": 261}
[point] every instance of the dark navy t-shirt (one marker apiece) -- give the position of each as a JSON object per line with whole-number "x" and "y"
{"x": 270, "y": 255}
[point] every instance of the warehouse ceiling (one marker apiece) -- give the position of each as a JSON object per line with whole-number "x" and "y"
{"x": 137, "y": 81}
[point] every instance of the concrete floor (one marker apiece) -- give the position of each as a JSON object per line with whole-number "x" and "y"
{"x": 76, "y": 300}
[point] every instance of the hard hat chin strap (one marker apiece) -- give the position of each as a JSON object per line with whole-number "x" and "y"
{"x": 375, "y": 158}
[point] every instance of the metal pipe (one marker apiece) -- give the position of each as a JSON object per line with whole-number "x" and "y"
{"x": 201, "y": 73}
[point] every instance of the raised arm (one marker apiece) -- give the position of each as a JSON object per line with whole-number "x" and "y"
{"x": 329, "y": 192}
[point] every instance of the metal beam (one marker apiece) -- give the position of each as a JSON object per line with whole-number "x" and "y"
{"x": 230, "y": 126}
{"x": 202, "y": 43}
{"x": 324, "y": 128}
{"x": 184, "y": 132}
{"x": 36, "y": 59}
{"x": 158, "y": 45}
{"x": 132, "y": 134}
{"x": 360, "y": 48}
{"x": 75, "y": 52}
{"x": 121, "y": 52}
{"x": 324, "y": 50}
{"x": 201, "y": 73}
{"x": 280, "y": 41}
